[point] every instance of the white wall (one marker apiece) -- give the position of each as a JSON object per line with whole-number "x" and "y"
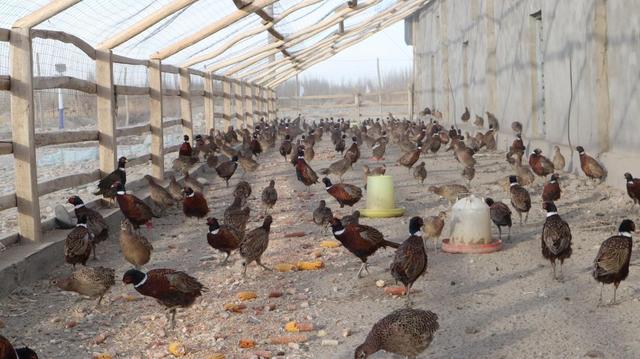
{"x": 570, "y": 40}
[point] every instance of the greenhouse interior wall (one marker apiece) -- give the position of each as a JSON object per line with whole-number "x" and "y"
{"x": 567, "y": 70}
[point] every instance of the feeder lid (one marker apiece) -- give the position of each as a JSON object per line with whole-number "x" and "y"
{"x": 470, "y": 202}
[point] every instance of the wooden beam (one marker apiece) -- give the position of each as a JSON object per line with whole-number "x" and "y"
{"x": 6, "y": 147}
{"x": 128, "y": 60}
{"x": 185, "y": 102}
{"x": 263, "y": 52}
{"x": 248, "y": 33}
{"x": 69, "y": 181}
{"x": 170, "y": 92}
{"x": 197, "y": 72}
{"x": 64, "y": 82}
{"x": 155, "y": 120}
{"x": 392, "y": 14}
{"x": 144, "y": 24}
{"x": 170, "y": 69}
{"x": 226, "y": 104}
{"x": 239, "y": 93}
{"x": 172, "y": 122}
{"x": 209, "y": 119}
{"x": 44, "y": 13}
{"x": 211, "y": 29}
{"x": 131, "y": 90}
{"x": 23, "y": 130}
{"x": 133, "y": 130}
{"x": 5, "y": 83}
{"x": 243, "y": 65}
{"x": 106, "y": 113}
{"x": 4, "y": 35}
{"x": 61, "y": 137}
{"x": 66, "y": 38}
{"x": 138, "y": 160}
{"x": 174, "y": 148}
{"x": 8, "y": 201}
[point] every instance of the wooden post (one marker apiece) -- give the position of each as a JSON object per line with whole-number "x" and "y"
{"x": 106, "y": 112}
{"x": 267, "y": 103}
{"x": 226, "y": 103}
{"x": 410, "y": 100}
{"x": 272, "y": 104}
{"x": 23, "y": 133}
{"x": 155, "y": 120}
{"x": 275, "y": 103}
{"x": 239, "y": 96}
{"x": 356, "y": 105}
{"x": 209, "y": 117}
{"x": 185, "y": 102}
{"x": 248, "y": 105}
{"x": 259, "y": 104}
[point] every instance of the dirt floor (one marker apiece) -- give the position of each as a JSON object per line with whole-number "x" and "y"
{"x": 501, "y": 305}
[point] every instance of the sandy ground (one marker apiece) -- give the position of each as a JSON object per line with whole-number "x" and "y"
{"x": 501, "y": 305}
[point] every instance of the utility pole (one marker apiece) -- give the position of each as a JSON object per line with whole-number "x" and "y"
{"x": 298, "y": 92}
{"x": 379, "y": 86}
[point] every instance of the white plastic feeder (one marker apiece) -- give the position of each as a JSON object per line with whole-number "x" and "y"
{"x": 470, "y": 228}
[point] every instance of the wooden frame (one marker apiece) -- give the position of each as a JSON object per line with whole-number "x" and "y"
{"x": 238, "y": 90}
{"x": 155, "y": 120}
{"x": 209, "y": 117}
{"x": 23, "y": 118}
{"x": 248, "y": 106}
{"x": 145, "y": 23}
{"x": 331, "y": 50}
{"x": 226, "y": 104}
{"x": 252, "y": 99}
{"x": 329, "y": 41}
{"x": 211, "y": 29}
{"x": 185, "y": 102}
{"x": 23, "y": 134}
{"x": 261, "y": 53}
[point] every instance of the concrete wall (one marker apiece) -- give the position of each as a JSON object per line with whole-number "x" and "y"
{"x": 484, "y": 54}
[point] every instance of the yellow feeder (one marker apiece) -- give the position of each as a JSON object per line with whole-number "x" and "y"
{"x": 381, "y": 199}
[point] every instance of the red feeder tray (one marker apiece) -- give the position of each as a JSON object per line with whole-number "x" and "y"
{"x": 449, "y": 247}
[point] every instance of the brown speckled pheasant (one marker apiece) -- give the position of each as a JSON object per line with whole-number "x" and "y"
{"x": 95, "y": 222}
{"x": 556, "y": 238}
{"x": 269, "y": 196}
{"x": 254, "y": 244}
{"x": 500, "y": 215}
{"x": 407, "y": 332}
{"x": 135, "y": 248}
{"x": 322, "y": 215}
{"x": 449, "y": 191}
{"x": 520, "y": 198}
{"x": 78, "y": 244}
{"x": 88, "y": 281}
{"x": 612, "y": 262}
{"x": 420, "y": 172}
